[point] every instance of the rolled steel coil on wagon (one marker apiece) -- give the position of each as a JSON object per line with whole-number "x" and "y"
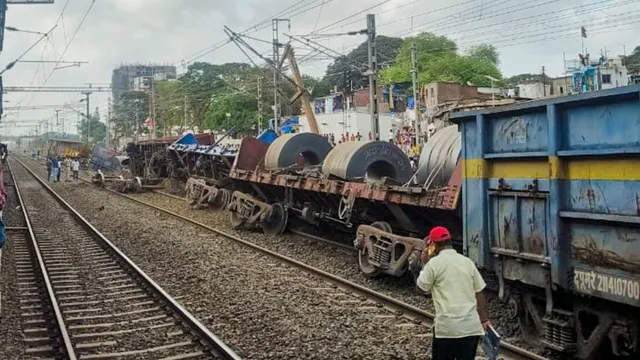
{"x": 439, "y": 157}
{"x": 284, "y": 151}
{"x": 371, "y": 160}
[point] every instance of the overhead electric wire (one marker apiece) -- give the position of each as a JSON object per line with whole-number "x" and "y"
{"x": 289, "y": 11}
{"x": 13, "y": 63}
{"x": 75, "y": 33}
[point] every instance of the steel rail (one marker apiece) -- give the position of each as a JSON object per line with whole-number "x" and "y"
{"x": 218, "y": 347}
{"x": 66, "y": 339}
{"x": 510, "y": 351}
{"x": 294, "y": 231}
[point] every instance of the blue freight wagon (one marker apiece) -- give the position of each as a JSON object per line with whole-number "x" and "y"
{"x": 551, "y": 206}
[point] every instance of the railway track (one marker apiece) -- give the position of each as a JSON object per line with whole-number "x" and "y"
{"x": 96, "y": 303}
{"x": 393, "y": 306}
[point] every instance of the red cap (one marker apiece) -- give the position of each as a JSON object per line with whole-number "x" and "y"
{"x": 439, "y": 234}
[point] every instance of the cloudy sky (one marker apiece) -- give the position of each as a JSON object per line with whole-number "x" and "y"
{"x": 529, "y": 34}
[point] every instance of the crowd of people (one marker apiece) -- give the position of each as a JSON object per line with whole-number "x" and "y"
{"x": 56, "y": 165}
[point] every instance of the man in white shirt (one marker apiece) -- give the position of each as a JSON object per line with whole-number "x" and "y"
{"x": 456, "y": 288}
{"x": 75, "y": 167}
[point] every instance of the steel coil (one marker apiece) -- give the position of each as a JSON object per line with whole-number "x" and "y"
{"x": 439, "y": 157}
{"x": 368, "y": 160}
{"x": 307, "y": 149}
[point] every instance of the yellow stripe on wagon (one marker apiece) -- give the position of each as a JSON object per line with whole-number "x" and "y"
{"x": 553, "y": 168}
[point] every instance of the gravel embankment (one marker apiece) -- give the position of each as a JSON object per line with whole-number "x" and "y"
{"x": 328, "y": 258}
{"x": 11, "y": 344}
{"x": 260, "y": 307}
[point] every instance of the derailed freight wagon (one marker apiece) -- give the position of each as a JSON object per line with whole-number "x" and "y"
{"x": 551, "y": 205}
{"x": 148, "y": 158}
{"x": 365, "y": 188}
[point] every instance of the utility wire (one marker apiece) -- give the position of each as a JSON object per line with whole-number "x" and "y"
{"x": 13, "y": 63}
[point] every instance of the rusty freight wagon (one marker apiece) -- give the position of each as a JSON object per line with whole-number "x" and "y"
{"x": 366, "y": 189}
{"x": 551, "y": 206}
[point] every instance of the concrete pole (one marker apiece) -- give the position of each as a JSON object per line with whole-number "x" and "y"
{"x": 416, "y": 98}
{"x": 87, "y": 115}
{"x": 259, "y": 104}
{"x": 276, "y": 75}
{"x": 373, "y": 75}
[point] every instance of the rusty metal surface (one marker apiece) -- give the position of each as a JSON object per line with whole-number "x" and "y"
{"x": 251, "y": 153}
{"x": 248, "y": 208}
{"x": 388, "y": 252}
{"x": 444, "y": 199}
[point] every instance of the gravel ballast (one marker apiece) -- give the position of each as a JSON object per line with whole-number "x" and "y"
{"x": 11, "y": 344}
{"x": 260, "y": 307}
{"x": 329, "y": 258}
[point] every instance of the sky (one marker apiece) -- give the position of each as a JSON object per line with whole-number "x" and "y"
{"x": 528, "y": 35}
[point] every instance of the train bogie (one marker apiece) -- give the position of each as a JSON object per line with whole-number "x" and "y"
{"x": 550, "y": 206}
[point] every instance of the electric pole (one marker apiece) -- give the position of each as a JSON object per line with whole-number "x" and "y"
{"x": 259, "y": 105}
{"x": 184, "y": 69}
{"x": 152, "y": 107}
{"x": 544, "y": 83}
{"x": 416, "y": 100}
{"x": 373, "y": 75}
{"x": 276, "y": 70}
{"x": 58, "y": 118}
{"x": 87, "y": 94}
{"x": 109, "y": 121}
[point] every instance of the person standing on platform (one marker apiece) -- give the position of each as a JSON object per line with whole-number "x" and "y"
{"x": 456, "y": 287}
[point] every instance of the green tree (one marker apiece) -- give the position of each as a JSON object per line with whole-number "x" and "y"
{"x": 356, "y": 61}
{"x": 170, "y": 105}
{"x": 130, "y": 113}
{"x": 93, "y": 129}
{"x": 438, "y": 60}
{"x": 485, "y": 53}
{"x": 633, "y": 61}
{"x": 203, "y": 81}
{"x": 235, "y": 110}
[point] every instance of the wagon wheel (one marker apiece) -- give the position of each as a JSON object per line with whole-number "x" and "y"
{"x": 220, "y": 200}
{"x": 236, "y": 220}
{"x": 530, "y": 319}
{"x": 99, "y": 179}
{"x": 277, "y": 220}
{"x": 363, "y": 255}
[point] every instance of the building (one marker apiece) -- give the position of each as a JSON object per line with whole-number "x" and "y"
{"x": 351, "y": 122}
{"x": 613, "y": 73}
{"x": 592, "y": 75}
{"x": 561, "y": 86}
{"x": 136, "y": 77}
{"x": 533, "y": 90}
{"x": 436, "y": 93}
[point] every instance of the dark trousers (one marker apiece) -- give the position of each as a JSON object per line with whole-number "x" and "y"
{"x": 455, "y": 349}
